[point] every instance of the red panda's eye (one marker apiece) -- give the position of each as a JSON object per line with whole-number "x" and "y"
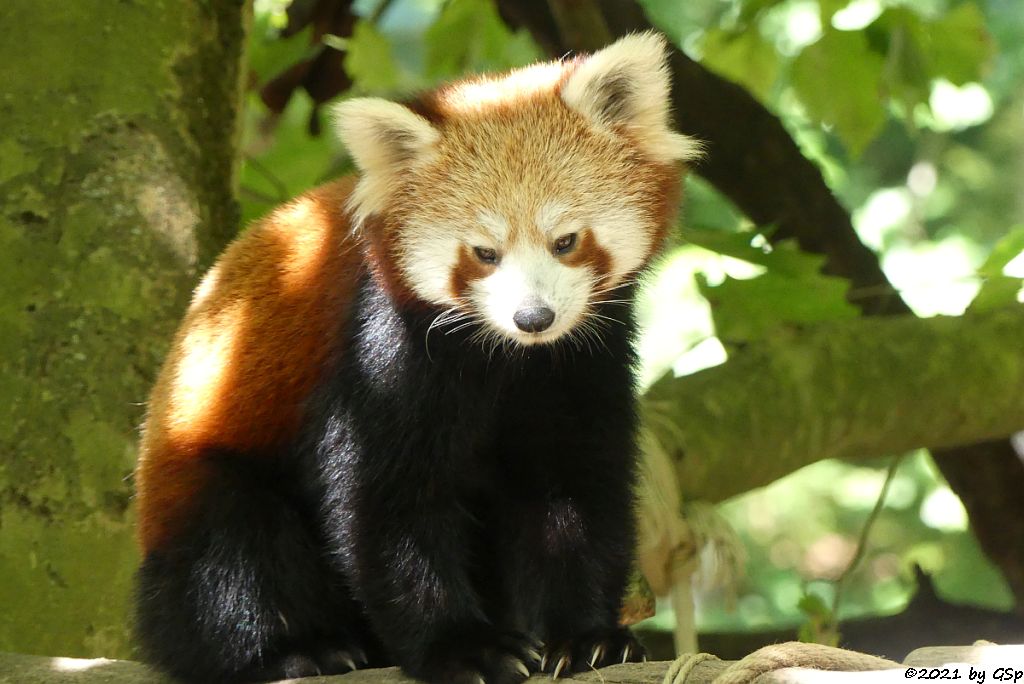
{"x": 486, "y": 255}
{"x": 564, "y": 244}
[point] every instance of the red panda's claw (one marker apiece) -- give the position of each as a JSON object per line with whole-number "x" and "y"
{"x": 522, "y": 669}
{"x": 563, "y": 662}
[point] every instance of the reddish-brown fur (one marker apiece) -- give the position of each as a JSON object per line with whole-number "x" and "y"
{"x": 589, "y": 253}
{"x": 268, "y": 314}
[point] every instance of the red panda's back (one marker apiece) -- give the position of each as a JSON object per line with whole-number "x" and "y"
{"x": 261, "y": 327}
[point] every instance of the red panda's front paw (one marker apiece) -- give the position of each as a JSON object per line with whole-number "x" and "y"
{"x": 591, "y": 651}
{"x": 488, "y": 658}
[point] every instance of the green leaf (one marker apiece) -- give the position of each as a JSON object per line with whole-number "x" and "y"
{"x": 827, "y": 8}
{"x": 369, "y": 60}
{"x": 784, "y": 258}
{"x": 838, "y": 80}
{"x": 751, "y": 9}
{"x": 998, "y": 290}
{"x": 671, "y": 16}
{"x": 748, "y": 309}
{"x": 743, "y": 57}
{"x": 469, "y": 36}
{"x": 813, "y": 605}
{"x": 270, "y": 54}
{"x": 958, "y": 46}
{"x": 1009, "y": 247}
{"x": 292, "y": 163}
{"x": 791, "y": 291}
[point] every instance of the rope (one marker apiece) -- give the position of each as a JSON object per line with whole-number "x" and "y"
{"x": 681, "y": 667}
{"x": 797, "y": 654}
{"x": 779, "y": 657}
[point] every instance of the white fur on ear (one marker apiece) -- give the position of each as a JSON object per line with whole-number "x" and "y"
{"x": 627, "y": 84}
{"x": 384, "y": 138}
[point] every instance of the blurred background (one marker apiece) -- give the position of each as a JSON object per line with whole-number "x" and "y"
{"x": 912, "y": 110}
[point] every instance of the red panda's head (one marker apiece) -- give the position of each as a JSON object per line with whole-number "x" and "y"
{"x": 521, "y": 200}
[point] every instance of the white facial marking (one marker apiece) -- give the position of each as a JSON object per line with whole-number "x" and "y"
{"x": 428, "y": 257}
{"x": 551, "y": 217}
{"x": 623, "y": 232}
{"x": 527, "y": 273}
{"x": 494, "y": 226}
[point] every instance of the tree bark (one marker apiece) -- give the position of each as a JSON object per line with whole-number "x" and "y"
{"x": 754, "y": 162}
{"x": 849, "y": 389}
{"x": 117, "y": 172}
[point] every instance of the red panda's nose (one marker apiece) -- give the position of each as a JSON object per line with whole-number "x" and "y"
{"x": 533, "y": 318}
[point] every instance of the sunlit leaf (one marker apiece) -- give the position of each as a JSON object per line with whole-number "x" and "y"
{"x": 1009, "y": 247}
{"x": 747, "y": 309}
{"x": 1000, "y": 290}
{"x": 784, "y": 258}
{"x": 791, "y": 291}
{"x": 997, "y": 292}
{"x": 736, "y": 245}
{"x": 838, "y": 80}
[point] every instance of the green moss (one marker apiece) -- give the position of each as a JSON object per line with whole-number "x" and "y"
{"x": 117, "y": 158}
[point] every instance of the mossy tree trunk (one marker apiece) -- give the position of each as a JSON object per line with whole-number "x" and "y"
{"x": 118, "y": 123}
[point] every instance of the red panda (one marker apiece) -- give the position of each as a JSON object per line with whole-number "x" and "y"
{"x": 397, "y": 425}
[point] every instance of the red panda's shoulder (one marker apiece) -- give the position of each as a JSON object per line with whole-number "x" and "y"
{"x": 262, "y": 324}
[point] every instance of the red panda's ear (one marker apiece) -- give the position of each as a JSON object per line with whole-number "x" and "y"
{"x": 627, "y": 85}
{"x": 384, "y": 139}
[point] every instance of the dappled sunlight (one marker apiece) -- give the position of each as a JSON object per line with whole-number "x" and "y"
{"x": 942, "y": 510}
{"x": 678, "y": 332}
{"x": 793, "y": 25}
{"x": 305, "y": 251}
{"x": 1015, "y": 268}
{"x": 936, "y": 277}
{"x": 199, "y": 384}
{"x": 170, "y": 213}
{"x": 883, "y": 216}
{"x": 955, "y": 108}
{"x": 489, "y": 92}
{"x": 77, "y": 664}
{"x": 857, "y": 15}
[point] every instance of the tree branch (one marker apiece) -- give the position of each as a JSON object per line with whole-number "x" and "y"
{"x": 849, "y": 389}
